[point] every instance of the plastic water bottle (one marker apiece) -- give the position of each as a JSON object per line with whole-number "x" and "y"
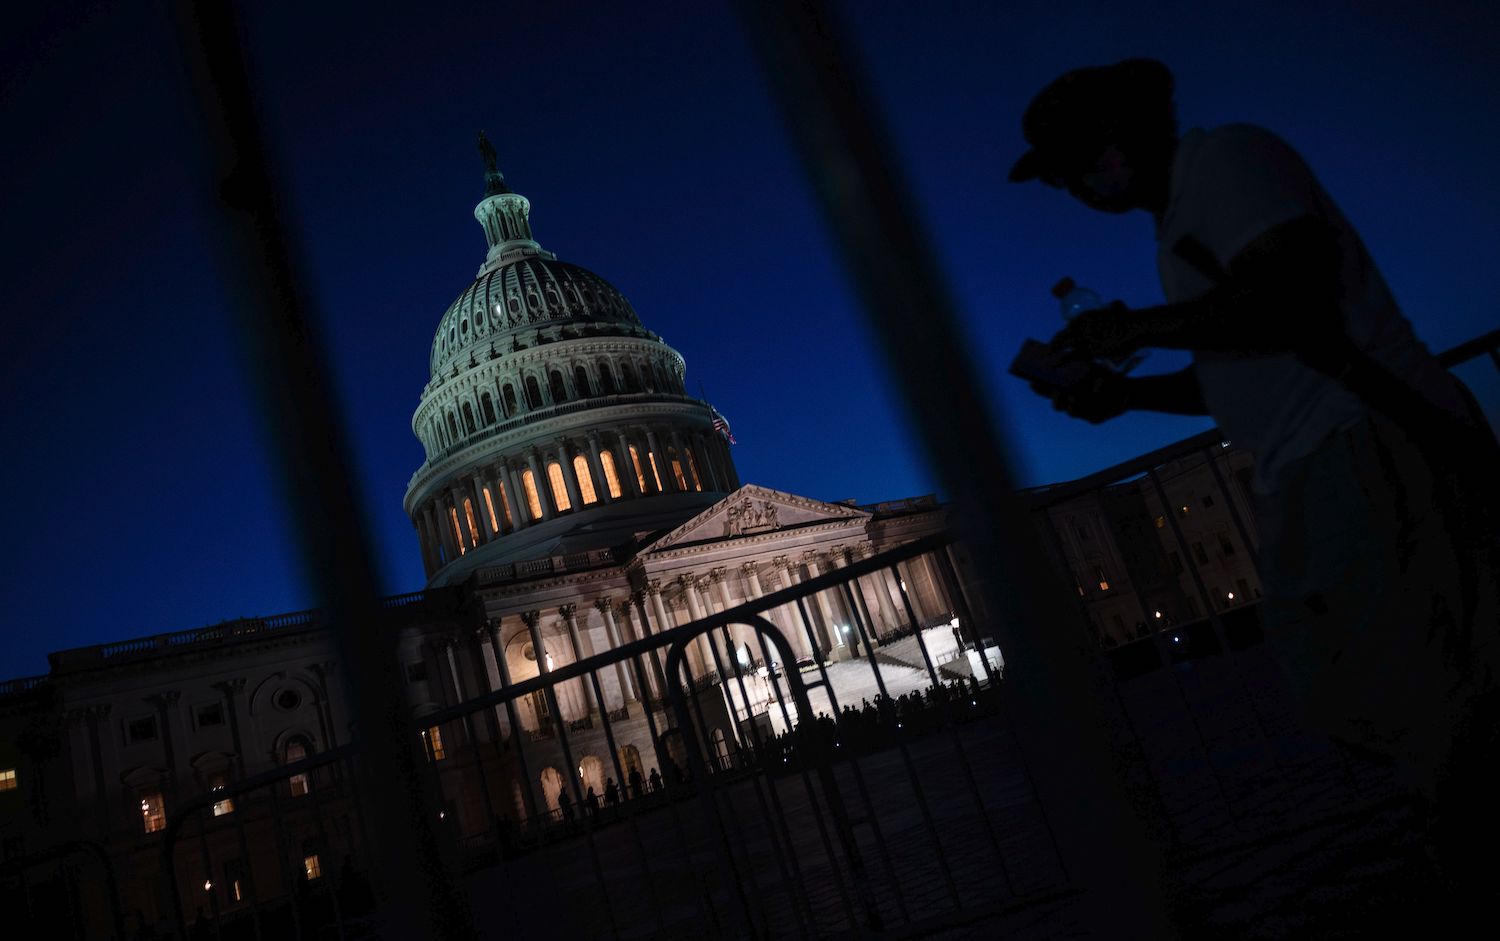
{"x": 1074, "y": 299}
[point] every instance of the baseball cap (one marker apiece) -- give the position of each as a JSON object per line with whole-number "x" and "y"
{"x": 1081, "y": 111}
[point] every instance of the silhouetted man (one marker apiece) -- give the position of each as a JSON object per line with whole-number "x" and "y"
{"x": 1374, "y": 473}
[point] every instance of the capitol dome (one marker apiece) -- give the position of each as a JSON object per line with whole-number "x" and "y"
{"x": 554, "y": 421}
{"x": 521, "y": 295}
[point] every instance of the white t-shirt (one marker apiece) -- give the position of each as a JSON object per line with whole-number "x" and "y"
{"x": 1229, "y": 186}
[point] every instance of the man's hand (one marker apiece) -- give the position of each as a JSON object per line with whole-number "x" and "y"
{"x": 1107, "y": 333}
{"x": 1101, "y": 395}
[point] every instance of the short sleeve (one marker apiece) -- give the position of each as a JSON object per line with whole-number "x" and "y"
{"x": 1245, "y": 182}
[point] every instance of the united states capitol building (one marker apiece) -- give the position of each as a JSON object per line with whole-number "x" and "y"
{"x": 573, "y": 498}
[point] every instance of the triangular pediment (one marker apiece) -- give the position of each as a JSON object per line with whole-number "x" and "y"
{"x": 753, "y": 510}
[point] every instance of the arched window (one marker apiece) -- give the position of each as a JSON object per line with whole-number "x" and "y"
{"x": 533, "y": 393}
{"x": 559, "y": 488}
{"x": 581, "y": 381}
{"x": 487, "y": 405}
{"x": 640, "y": 473}
{"x": 677, "y": 473}
{"x": 611, "y": 476}
{"x": 559, "y": 391}
{"x": 297, "y": 749}
{"x": 533, "y": 499}
{"x": 606, "y": 379}
{"x": 452, "y": 427}
{"x": 468, "y": 418}
{"x": 458, "y": 533}
{"x": 585, "y": 480}
{"x": 469, "y": 518}
{"x": 627, "y": 378}
{"x": 692, "y": 466}
{"x": 648, "y": 378}
{"x": 509, "y": 399}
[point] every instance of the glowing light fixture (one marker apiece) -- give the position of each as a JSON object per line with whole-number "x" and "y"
{"x": 1157, "y": 613}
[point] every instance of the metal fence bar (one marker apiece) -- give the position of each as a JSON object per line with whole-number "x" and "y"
{"x": 289, "y": 370}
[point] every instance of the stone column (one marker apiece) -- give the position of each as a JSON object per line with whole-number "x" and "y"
{"x": 664, "y": 622}
{"x": 850, "y": 641}
{"x": 596, "y": 467}
{"x": 481, "y": 509}
{"x": 517, "y": 495}
{"x": 543, "y": 485}
{"x": 626, "y": 467}
{"x": 431, "y": 540}
{"x": 828, "y": 635}
{"x": 502, "y": 672}
{"x": 795, "y": 632}
{"x": 663, "y": 467}
{"x": 569, "y": 614}
{"x": 655, "y": 680}
{"x": 445, "y": 528}
{"x": 882, "y": 590}
{"x": 570, "y": 479}
{"x": 706, "y": 469}
{"x": 754, "y": 591}
{"x": 697, "y": 611}
{"x": 497, "y": 498}
{"x": 738, "y": 633}
{"x": 166, "y": 712}
{"x": 606, "y": 610}
{"x": 466, "y": 537}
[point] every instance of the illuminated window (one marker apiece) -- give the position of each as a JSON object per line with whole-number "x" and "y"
{"x": 586, "y": 490}
{"x": 640, "y": 474}
{"x": 533, "y": 499}
{"x": 433, "y": 739}
{"x": 693, "y": 469}
{"x": 312, "y": 867}
{"x": 682, "y": 483}
{"x": 473, "y": 526}
{"x": 1182, "y": 510}
{"x": 234, "y": 880}
{"x": 153, "y": 812}
{"x": 296, "y": 750}
{"x": 559, "y": 488}
{"x": 1161, "y": 522}
{"x": 458, "y": 533}
{"x": 655, "y": 474}
{"x": 226, "y": 806}
{"x": 1103, "y": 582}
{"x": 611, "y": 476}
{"x": 8, "y": 779}
{"x": 489, "y": 505}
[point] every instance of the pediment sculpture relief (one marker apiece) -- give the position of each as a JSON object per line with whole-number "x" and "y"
{"x": 750, "y": 516}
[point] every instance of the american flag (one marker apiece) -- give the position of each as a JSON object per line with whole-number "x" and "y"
{"x": 721, "y": 425}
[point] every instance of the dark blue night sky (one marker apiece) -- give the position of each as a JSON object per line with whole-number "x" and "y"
{"x": 140, "y": 499}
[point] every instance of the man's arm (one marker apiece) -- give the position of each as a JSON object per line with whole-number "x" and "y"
{"x": 1280, "y": 294}
{"x": 1105, "y": 394}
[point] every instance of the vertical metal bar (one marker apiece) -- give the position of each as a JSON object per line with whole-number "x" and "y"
{"x": 1210, "y": 607}
{"x": 1234, "y": 511}
{"x": 865, "y": 195}
{"x": 208, "y": 869}
{"x": 872, "y": 816}
{"x": 635, "y": 828}
{"x": 325, "y": 846}
{"x": 249, "y": 879}
{"x": 484, "y": 780}
{"x": 289, "y": 369}
{"x": 534, "y": 625}
{"x": 281, "y": 852}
